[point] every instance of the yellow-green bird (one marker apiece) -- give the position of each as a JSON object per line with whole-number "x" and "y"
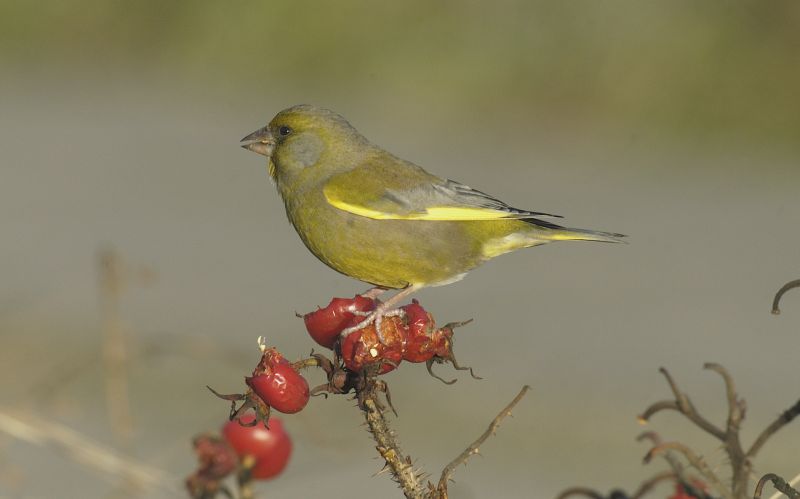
{"x": 384, "y": 220}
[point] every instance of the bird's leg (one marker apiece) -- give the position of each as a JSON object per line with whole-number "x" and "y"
{"x": 384, "y": 309}
{"x": 373, "y": 293}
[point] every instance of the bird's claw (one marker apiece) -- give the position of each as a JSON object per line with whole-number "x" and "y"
{"x": 376, "y": 316}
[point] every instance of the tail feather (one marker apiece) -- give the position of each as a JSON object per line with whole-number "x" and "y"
{"x": 554, "y": 232}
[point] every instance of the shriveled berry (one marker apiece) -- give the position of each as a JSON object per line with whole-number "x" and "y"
{"x": 362, "y": 347}
{"x": 420, "y": 343}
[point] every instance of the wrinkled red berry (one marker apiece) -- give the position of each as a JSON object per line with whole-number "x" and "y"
{"x": 420, "y": 345}
{"x": 325, "y": 324}
{"x": 278, "y": 384}
{"x": 362, "y": 347}
{"x": 271, "y": 447}
{"x": 216, "y": 460}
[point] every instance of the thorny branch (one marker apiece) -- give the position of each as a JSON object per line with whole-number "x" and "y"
{"x": 400, "y": 466}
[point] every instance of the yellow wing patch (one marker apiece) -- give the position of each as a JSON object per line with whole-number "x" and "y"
{"x": 434, "y": 213}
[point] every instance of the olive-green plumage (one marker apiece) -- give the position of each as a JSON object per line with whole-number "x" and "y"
{"x": 381, "y": 219}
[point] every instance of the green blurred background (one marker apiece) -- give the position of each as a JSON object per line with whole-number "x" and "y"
{"x": 676, "y": 122}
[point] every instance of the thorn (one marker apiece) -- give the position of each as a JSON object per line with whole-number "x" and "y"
{"x": 382, "y": 470}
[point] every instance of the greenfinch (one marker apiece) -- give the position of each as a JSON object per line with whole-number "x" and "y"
{"x": 378, "y": 218}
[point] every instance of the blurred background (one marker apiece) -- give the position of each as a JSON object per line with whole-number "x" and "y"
{"x": 143, "y": 251}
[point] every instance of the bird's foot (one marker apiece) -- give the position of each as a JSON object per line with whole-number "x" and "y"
{"x": 376, "y": 316}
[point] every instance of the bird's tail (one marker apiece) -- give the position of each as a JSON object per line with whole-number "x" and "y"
{"x": 568, "y": 234}
{"x": 552, "y": 232}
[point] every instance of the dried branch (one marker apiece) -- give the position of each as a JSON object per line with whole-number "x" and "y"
{"x": 674, "y": 462}
{"x": 81, "y": 449}
{"x": 650, "y": 483}
{"x": 735, "y": 409}
{"x": 792, "y": 483}
{"x": 696, "y": 461}
{"x": 739, "y": 460}
{"x": 474, "y": 447}
{"x": 786, "y": 417}
{"x": 777, "y": 482}
{"x": 684, "y": 405}
{"x": 777, "y": 300}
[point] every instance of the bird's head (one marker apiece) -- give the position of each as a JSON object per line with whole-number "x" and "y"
{"x": 305, "y": 137}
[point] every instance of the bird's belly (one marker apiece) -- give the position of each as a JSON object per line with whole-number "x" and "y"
{"x": 390, "y": 253}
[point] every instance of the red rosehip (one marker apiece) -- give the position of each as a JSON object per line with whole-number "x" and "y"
{"x": 271, "y": 447}
{"x": 418, "y": 319}
{"x": 278, "y": 383}
{"x": 325, "y": 324}
{"x": 420, "y": 345}
{"x": 363, "y": 347}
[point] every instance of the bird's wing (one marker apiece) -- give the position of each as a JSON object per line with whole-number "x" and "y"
{"x": 403, "y": 191}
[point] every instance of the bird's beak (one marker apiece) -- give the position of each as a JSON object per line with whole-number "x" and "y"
{"x": 261, "y": 142}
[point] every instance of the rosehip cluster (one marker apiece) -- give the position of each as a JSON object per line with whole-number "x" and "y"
{"x": 411, "y": 336}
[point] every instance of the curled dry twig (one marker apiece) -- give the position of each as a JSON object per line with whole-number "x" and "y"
{"x": 777, "y": 300}
{"x": 777, "y": 482}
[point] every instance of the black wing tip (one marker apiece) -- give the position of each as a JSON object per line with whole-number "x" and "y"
{"x": 542, "y": 223}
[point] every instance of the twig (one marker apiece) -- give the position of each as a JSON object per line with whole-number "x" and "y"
{"x": 777, "y": 482}
{"x": 650, "y": 483}
{"x": 81, "y": 449}
{"x": 672, "y": 460}
{"x": 474, "y": 447}
{"x": 739, "y": 462}
{"x": 735, "y": 411}
{"x": 786, "y": 417}
{"x": 777, "y": 300}
{"x": 695, "y": 460}
{"x": 792, "y": 483}
{"x": 113, "y": 280}
{"x": 684, "y": 405}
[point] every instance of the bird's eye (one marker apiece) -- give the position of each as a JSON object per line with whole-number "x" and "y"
{"x": 284, "y": 131}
